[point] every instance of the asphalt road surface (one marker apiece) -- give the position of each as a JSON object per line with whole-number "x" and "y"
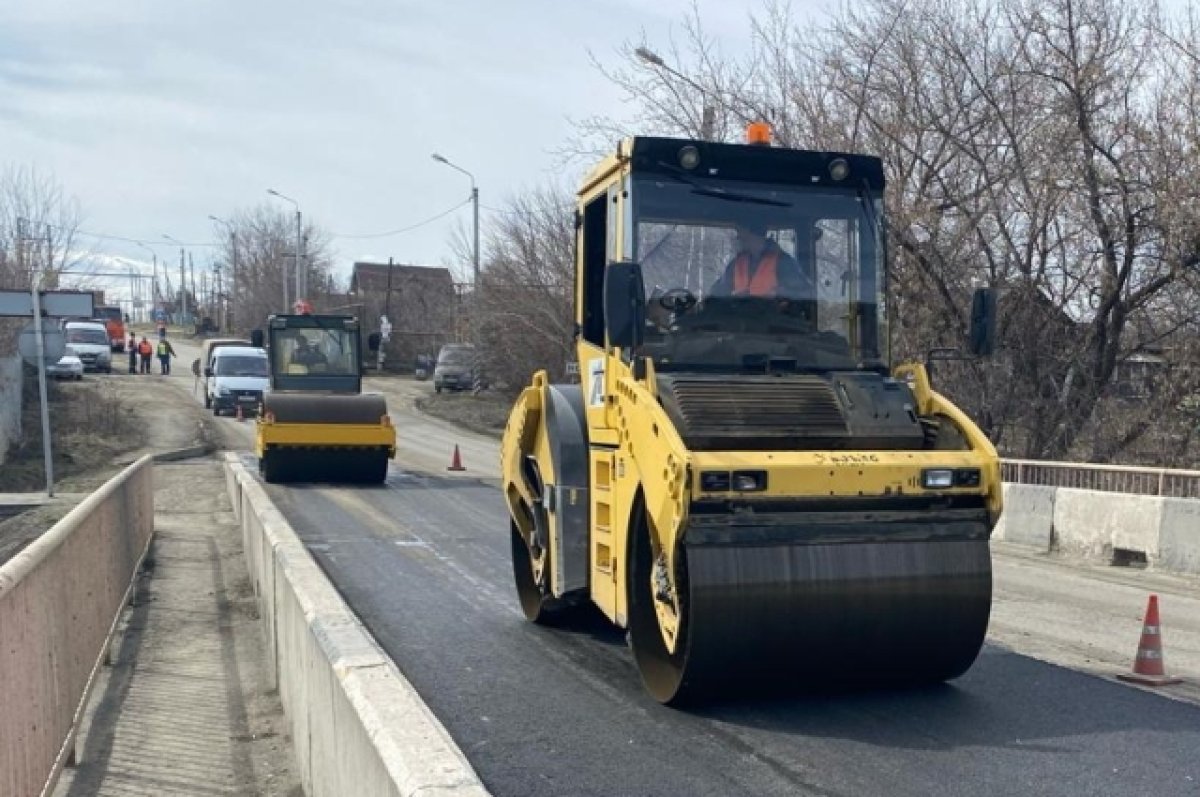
{"x": 424, "y": 561}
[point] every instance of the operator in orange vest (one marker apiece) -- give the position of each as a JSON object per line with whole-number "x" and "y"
{"x": 762, "y": 270}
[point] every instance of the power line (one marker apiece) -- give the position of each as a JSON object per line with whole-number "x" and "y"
{"x": 409, "y": 228}
{"x": 111, "y": 237}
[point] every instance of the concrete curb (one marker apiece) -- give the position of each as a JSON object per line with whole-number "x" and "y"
{"x": 357, "y": 725}
{"x": 191, "y": 452}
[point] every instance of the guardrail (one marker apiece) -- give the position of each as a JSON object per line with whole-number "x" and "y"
{"x": 1162, "y": 482}
{"x": 60, "y": 600}
{"x": 357, "y": 724}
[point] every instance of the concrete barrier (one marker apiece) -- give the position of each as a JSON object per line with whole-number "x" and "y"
{"x": 357, "y": 725}
{"x": 1092, "y": 524}
{"x": 60, "y": 599}
{"x": 1028, "y": 517}
{"x": 1179, "y": 535}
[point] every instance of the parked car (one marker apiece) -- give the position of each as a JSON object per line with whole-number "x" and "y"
{"x": 237, "y": 376}
{"x": 457, "y": 367}
{"x": 89, "y": 340}
{"x": 69, "y": 366}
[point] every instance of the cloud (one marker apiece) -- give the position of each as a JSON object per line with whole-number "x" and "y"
{"x": 157, "y": 114}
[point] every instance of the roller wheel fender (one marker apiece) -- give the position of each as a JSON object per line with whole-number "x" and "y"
{"x": 538, "y": 605}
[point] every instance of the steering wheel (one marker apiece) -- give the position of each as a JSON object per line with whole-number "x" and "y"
{"x": 677, "y": 300}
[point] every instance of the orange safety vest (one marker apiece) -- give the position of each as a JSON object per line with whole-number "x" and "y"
{"x": 765, "y": 281}
{"x": 145, "y": 349}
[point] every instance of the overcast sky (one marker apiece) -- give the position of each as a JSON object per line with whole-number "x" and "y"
{"x": 157, "y": 113}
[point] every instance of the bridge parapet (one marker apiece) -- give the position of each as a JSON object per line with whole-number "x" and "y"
{"x": 60, "y": 599}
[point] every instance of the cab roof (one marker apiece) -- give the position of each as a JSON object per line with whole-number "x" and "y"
{"x": 746, "y": 162}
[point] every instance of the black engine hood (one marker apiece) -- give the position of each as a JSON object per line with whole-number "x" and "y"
{"x": 859, "y": 411}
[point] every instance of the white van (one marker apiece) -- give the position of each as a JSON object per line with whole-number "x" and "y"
{"x": 237, "y": 376}
{"x": 88, "y": 340}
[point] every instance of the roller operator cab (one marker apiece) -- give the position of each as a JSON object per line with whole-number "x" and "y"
{"x": 740, "y": 479}
{"x": 316, "y": 424}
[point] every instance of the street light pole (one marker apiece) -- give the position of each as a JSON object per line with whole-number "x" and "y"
{"x": 183, "y": 297}
{"x": 230, "y": 314}
{"x": 301, "y": 272}
{"x": 475, "y": 214}
{"x": 708, "y": 118}
{"x": 154, "y": 281}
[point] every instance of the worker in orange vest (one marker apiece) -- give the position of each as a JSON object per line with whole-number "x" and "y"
{"x": 145, "y": 351}
{"x": 762, "y": 270}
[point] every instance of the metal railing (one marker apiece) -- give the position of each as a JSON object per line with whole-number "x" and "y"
{"x": 1105, "y": 478}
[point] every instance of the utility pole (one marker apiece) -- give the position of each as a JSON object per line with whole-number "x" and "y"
{"x": 301, "y": 271}
{"x": 231, "y": 316}
{"x": 35, "y": 297}
{"x": 182, "y": 289}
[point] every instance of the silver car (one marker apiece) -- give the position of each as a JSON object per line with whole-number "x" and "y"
{"x": 69, "y": 366}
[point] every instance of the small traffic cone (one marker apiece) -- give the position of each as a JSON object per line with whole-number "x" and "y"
{"x": 1148, "y": 666}
{"x": 456, "y": 462}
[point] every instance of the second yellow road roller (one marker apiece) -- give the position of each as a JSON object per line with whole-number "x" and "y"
{"x": 316, "y": 424}
{"x": 742, "y": 480}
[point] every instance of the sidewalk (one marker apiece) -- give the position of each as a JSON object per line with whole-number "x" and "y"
{"x": 182, "y": 710}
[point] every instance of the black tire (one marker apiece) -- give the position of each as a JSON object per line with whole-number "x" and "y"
{"x": 663, "y": 672}
{"x": 78, "y": 377}
{"x": 374, "y": 469}
{"x": 437, "y": 388}
{"x": 216, "y": 411}
{"x": 271, "y": 468}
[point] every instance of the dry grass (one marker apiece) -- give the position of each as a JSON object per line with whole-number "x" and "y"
{"x": 486, "y": 413}
{"x": 90, "y": 427}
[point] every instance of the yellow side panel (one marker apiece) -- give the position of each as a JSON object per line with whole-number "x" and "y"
{"x": 603, "y": 552}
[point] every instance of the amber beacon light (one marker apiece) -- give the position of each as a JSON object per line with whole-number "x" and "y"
{"x": 758, "y": 133}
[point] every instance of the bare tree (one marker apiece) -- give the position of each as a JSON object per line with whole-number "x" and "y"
{"x": 265, "y": 240}
{"x": 38, "y": 225}
{"x": 523, "y": 307}
{"x": 1045, "y": 148}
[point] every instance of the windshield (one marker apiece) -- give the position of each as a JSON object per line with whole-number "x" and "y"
{"x": 754, "y": 277}
{"x": 456, "y": 357}
{"x": 109, "y": 313}
{"x": 242, "y": 366}
{"x": 83, "y": 335}
{"x": 315, "y": 351}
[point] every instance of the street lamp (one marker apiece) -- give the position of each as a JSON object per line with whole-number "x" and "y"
{"x": 475, "y": 204}
{"x": 301, "y": 273}
{"x": 154, "y": 281}
{"x": 230, "y": 315}
{"x": 183, "y": 302}
{"x": 708, "y": 119}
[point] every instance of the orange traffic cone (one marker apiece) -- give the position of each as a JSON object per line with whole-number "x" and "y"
{"x": 1148, "y": 666}
{"x": 456, "y": 462}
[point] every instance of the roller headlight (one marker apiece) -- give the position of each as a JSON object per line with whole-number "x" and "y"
{"x": 937, "y": 478}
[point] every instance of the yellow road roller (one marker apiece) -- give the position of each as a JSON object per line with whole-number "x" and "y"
{"x": 742, "y": 480}
{"x": 316, "y": 424}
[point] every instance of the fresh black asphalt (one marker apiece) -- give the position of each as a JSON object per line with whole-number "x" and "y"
{"x": 424, "y": 562}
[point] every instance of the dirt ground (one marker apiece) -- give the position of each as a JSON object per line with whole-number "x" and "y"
{"x": 98, "y": 426}
{"x": 485, "y": 413}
